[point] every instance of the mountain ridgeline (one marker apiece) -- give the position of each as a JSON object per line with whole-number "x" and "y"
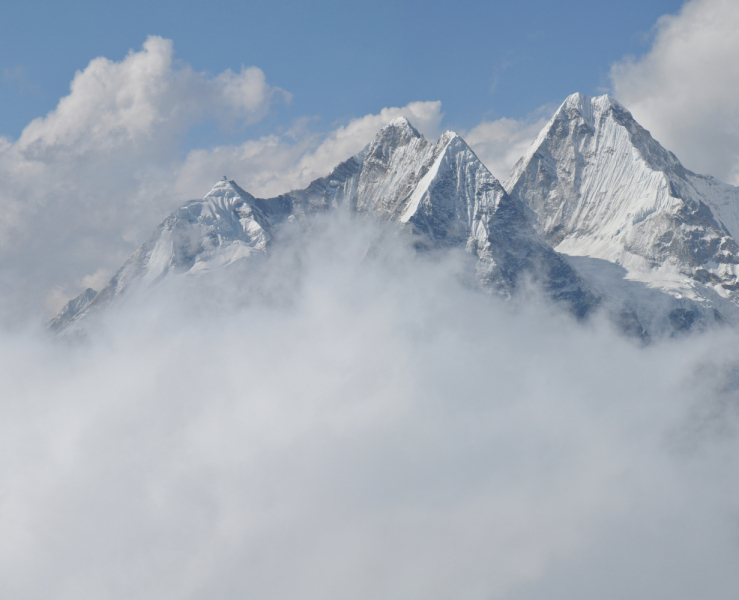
{"x": 596, "y": 214}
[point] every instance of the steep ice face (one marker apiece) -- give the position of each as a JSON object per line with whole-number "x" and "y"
{"x": 598, "y": 185}
{"x": 440, "y": 192}
{"x": 458, "y": 198}
{"x": 394, "y": 164}
{"x": 444, "y": 194}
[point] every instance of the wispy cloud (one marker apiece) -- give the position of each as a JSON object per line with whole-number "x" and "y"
{"x": 18, "y": 78}
{"x": 684, "y": 89}
{"x": 501, "y": 142}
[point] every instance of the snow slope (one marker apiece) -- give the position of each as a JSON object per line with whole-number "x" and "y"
{"x": 440, "y": 193}
{"x": 598, "y": 185}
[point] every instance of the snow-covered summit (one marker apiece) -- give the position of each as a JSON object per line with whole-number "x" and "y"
{"x": 589, "y": 108}
{"x": 226, "y": 226}
{"x": 400, "y": 122}
{"x": 446, "y": 196}
{"x": 225, "y": 189}
{"x": 398, "y": 131}
{"x": 598, "y": 185}
{"x": 439, "y": 192}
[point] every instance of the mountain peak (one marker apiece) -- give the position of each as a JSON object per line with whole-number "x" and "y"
{"x": 439, "y": 192}
{"x": 225, "y": 193}
{"x": 225, "y": 185}
{"x": 580, "y": 100}
{"x": 588, "y": 107}
{"x": 397, "y": 136}
{"x": 599, "y": 186}
{"x": 400, "y": 122}
{"x": 399, "y": 128}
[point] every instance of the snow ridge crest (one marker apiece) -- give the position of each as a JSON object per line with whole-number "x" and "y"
{"x": 439, "y": 192}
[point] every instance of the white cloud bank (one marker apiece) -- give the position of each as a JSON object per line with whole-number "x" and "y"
{"x": 374, "y": 430}
{"x": 685, "y": 89}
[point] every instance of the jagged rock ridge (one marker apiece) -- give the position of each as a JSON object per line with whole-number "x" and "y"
{"x": 439, "y": 192}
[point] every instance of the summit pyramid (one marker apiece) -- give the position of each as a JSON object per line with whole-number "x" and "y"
{"x": 597, "y": 186}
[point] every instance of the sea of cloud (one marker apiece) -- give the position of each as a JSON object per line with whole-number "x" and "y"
{"x": 347, "y": 418}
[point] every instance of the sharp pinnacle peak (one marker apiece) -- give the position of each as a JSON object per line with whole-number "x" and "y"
{"x": 227, "y": 186}
{"x": 399, "y": 122}
{"x": 584, "y": 103}
{"x": 225, "y": 183}
{"x": 402, "y": 124}
{"x": 396, "y": 133}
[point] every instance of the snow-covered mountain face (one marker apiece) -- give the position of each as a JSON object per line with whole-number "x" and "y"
{"x": 598, "y": 186}
{"x": 72, "y": 309}
{"x": 440, "y": 193}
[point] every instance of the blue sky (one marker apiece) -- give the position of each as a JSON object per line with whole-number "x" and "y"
{"x": 339, "y": 60}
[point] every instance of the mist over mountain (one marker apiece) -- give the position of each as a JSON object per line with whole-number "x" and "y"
{"x": 360, "y": 424}
{"x": 359, "y": 301}
{"x": 439, "y": 194}
{"x": 405, "y": 380}
{"x": 598, "y": 216}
